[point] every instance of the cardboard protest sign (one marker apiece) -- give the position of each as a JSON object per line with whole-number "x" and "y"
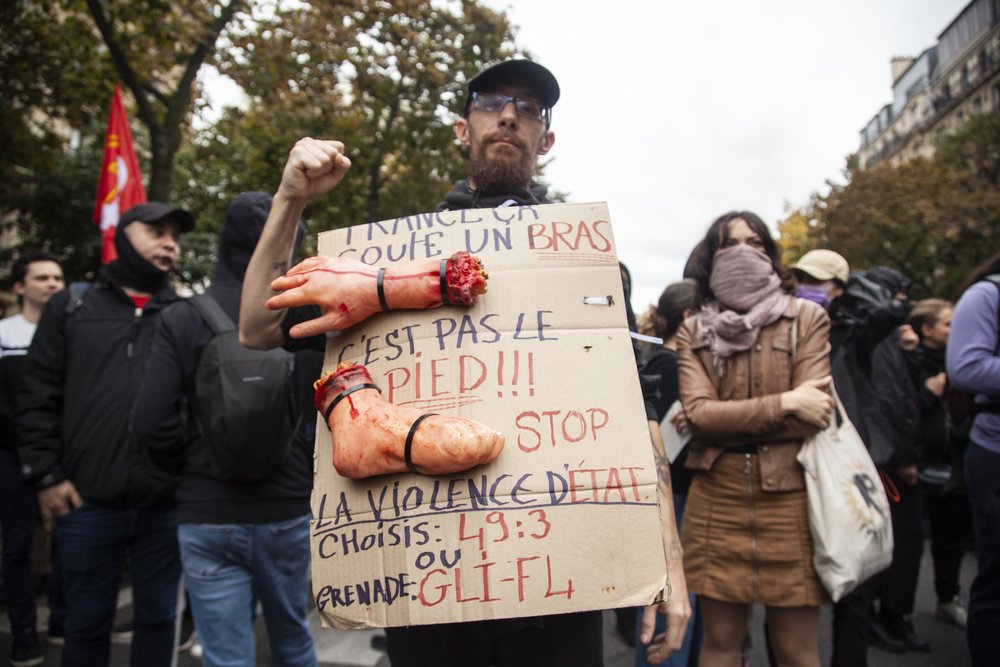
{"x": 566, "y": 518}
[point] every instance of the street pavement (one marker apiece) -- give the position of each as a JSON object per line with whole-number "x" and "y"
{"x": 352, "y": 648}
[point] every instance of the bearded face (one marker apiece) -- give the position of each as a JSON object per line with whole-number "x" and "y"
{"x": 501, "y": 161}
{"x": 502, "y": 146}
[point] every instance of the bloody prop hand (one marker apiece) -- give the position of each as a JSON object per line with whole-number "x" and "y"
{"x": 374, "y": 437}
{"x": 349, "y": 291}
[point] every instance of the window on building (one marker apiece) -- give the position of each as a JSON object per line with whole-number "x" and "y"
{"x": 946, "y": 91}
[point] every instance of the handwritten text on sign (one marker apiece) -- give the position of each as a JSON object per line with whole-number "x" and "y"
{"x": 479, "y": 231}
{"x": 565, "y": 519}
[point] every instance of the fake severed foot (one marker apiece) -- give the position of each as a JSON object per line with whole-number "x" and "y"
{"x": 349, "y": 291}
{"x": 374, "y": 437}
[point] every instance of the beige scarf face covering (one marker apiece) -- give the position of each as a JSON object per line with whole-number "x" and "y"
{"x": 747, "y": 297}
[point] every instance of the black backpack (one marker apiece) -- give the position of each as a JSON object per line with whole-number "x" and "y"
{"x": 244, "y": 400}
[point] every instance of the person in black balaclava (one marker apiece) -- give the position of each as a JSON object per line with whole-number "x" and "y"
{"x": 144, "y": 268}
{"x": 891, "y": 627}
{"x": 109, "y": 499}
{"x": 891, "y": 279}
{"x": 270, "y": 516}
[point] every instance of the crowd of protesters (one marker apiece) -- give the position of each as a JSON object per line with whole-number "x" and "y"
{"x": 99, "y": 420}
{"x": 923, "y": 414}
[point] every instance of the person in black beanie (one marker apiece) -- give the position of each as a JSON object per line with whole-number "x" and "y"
{"x": 240, "y": 540}
{"x": 108, "y": 497}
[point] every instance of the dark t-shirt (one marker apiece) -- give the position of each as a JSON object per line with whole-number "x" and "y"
{"x": 664, "y": 364}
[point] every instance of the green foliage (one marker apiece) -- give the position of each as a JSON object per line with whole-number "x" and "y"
{"x": 51, "y": 79}
{"x": 157, "y": 48}
{"x": 198, "y": 259}
{"x": 386, "y": 77}
{"x": 58, "y": 75}
{"x": 50, "y": 60}
{"x": 975, "y": 150}
{"x": 934, "y": 220}
{"x": 56, "y": 213}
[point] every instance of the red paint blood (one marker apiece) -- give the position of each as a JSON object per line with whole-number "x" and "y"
{"x": 465, "y": 278}
{"x": 347, "y": 375}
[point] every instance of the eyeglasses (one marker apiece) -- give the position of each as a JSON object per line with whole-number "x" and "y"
{"x": 526, "y": 109}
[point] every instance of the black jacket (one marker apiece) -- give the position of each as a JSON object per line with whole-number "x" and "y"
{"x": 896, "y": 400}
{"x": 661, "y": 363}
{"x": 166, "y": 400}
{"x": 169, "y": 391}
{"x": 863, "y": 318}
{"x": 12, "y": 354}
{"x": 81, "y": 376}
{"x": 462, "y": 196}
{"x": 932, "y": 432}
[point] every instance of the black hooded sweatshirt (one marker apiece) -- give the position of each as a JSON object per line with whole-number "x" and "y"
{"x": 169, "y": 387}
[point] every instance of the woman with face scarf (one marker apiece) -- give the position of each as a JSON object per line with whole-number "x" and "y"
{"x": 754, "y": 374}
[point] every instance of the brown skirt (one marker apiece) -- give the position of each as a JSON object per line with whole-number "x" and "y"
{"x": 742, "y": 544}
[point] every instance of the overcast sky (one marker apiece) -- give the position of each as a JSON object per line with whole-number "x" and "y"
{"x": 677, "y": 111}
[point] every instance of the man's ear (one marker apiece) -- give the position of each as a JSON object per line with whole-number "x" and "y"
{"x": 926, "y": 330}
{"x": 462, "y": 131}
{"x": 548, "y": 139}
{"x": 19, "y": 289}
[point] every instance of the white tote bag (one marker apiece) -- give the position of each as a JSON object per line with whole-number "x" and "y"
{"x": 848, "y": 507}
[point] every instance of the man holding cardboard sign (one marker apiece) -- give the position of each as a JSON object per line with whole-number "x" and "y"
{"x": 506, "y": 125}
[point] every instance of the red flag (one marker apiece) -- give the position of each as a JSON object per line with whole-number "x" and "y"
{"x": 120, "y": 185}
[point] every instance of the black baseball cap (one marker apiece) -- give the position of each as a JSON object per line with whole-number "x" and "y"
{"x": 153, "y": 212}
{"x": 537, "y": 77}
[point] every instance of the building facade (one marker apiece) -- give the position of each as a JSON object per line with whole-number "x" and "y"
{"x": 936, "y": 92}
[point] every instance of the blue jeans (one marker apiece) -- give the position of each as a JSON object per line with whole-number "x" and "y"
{"x": 93, "y": 542}
{"x": 227, "y": 567}
{"x": 982, "y": 473}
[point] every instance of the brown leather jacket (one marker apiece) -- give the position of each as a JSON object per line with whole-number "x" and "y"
{"x": 742, "y": 407}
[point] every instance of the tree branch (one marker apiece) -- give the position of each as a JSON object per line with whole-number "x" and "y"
{"x": 181, "y": 98}
{"x": 128, "y": 75}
